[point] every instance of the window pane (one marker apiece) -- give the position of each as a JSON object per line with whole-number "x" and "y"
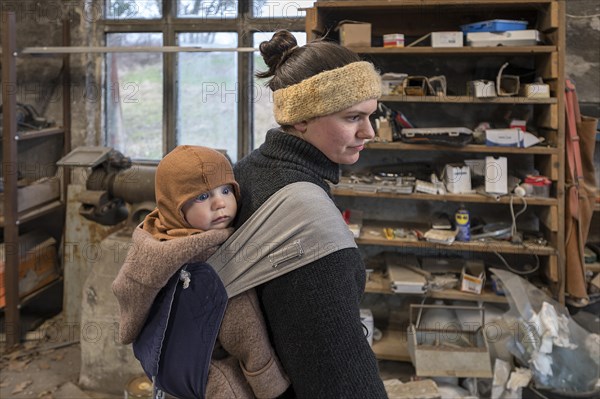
{"x": 133, "y": 9}
{"x": 207, "y": 8}
{"x": 263, "y": 96}
{"x": 134, "y": 96}
{"x": 280, "y": 8}
{"x": 207, "y": 93}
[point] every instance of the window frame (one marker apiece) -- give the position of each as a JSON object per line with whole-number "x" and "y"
{"x": 245, "y": 24}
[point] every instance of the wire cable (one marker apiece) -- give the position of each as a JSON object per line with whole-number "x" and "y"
{"x": 520, "y": 272}
{"x": 514, "y": 217}
{"x": 582, "y": 16}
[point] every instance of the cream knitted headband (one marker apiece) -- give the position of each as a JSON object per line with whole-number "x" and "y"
{"x": 326, "y": 93}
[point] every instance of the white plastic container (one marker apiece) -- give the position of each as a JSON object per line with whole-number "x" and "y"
{"x": 366, "y": 318}
{"x": 509, "y": 38}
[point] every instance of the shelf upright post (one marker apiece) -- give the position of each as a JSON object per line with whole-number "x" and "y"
{"x": 66, "y": 108}
{"x": 560, "y": 90}
{"x": 9, "y": 174}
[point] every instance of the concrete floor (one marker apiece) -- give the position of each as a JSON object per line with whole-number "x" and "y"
{"x": 47, "y": 366}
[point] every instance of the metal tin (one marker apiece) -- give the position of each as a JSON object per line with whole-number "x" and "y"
{"x": 138, "y": 387}
{"x": 463, "y": 225}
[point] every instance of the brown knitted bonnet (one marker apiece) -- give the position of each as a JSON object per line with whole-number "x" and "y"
{"x": 184, "y": 173}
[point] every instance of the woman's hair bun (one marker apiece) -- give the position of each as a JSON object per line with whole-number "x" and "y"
{"x": 275, "y": 50}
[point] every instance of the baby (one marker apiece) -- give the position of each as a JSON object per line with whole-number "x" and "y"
{"x": 197, "y": 198}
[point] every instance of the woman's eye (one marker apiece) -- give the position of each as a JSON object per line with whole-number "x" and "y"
{"x": 354, "y": 118}
{"x": 202, "y": 197}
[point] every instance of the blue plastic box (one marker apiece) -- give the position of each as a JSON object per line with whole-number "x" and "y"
{"x": 494, "y": 25}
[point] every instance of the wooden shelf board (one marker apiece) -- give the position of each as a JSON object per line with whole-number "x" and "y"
{"x": 35, "y": 212}
{"x": 371, "y": 235}
{"x": 33, "y": 295}
{"x": 468, "y": 198}
{"x": 474, "y": 148}
{"x": 378, "y": 283}
{"x": 593, "y": 267}
{"x": 467, "y": 100}
{"x": 34, "y": 134}
{"x": 392, "y": 346}
{"x": 502, "y": 50}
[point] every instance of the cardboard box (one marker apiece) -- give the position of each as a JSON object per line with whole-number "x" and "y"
{"x": 37, "y": 193}
{"x": 393, "y": 83}
{"x": 496, "y": 175}
{"x": 38, "y": 265}
{"x": 416, "y": 86}
{"x": 393, "y": 40}
{"x": 472, "y": 278}
{"x": 355, "y": 34}
{"x": 384, "y": 130}
{"x": 457, "y": 178}
{"x": 481, "y": 88}
{"x": 535, "y": 90}
{"x": 446, "y": 39}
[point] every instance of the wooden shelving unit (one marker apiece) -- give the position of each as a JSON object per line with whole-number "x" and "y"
{"x": 415, "y": 19}
{"x": 13, "y": 221}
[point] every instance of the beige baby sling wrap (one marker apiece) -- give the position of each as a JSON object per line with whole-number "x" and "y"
{"x": 284, "y": 234}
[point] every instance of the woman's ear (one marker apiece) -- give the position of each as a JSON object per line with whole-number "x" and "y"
{"x": 301, "y": 126}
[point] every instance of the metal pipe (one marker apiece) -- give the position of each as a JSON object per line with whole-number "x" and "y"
{"x": 135, "y": 184}
{"x": 133, "y": 49}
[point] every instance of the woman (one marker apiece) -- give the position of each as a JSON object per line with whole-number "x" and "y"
{"x": 323, "y": 96}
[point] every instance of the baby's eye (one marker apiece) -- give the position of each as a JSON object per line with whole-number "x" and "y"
{"x": 201, "y": 197}
{"x": 226, "y": 190}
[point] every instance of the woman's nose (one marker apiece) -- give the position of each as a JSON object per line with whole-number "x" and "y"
{"x": 366, "y": 131}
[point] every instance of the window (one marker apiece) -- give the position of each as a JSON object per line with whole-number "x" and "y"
{"x": 146, "y": 9}
{"x": 203, "y": 92}
{"x": 134, "y": 99}
{"x": 207, "y": 92}
{"x": 280, "y": 9}
{"x": 207, "y": 9}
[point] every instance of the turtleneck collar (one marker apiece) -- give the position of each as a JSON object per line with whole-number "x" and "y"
{"x": 282, "y": 146}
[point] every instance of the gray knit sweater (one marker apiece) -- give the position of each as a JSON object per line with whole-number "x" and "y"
{"x": 313, "y": 312}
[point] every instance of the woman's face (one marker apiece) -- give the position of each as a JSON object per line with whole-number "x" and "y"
{"x": 341, "y": 136}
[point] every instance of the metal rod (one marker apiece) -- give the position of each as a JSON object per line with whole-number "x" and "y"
{"x": 12, "y": 325}
{"x": 136, "y": 49}
{"x": 66, "y": 106}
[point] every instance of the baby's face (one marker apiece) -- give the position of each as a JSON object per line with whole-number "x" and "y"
{"x": 214, "y": 209}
